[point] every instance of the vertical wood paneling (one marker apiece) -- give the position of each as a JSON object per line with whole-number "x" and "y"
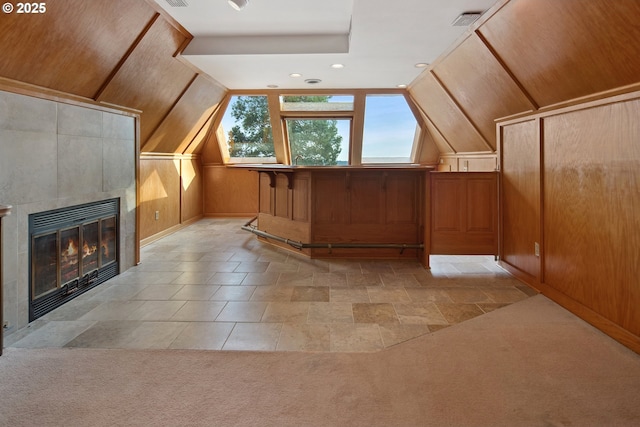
{"x": 159, "y": 192}
{"x": 282, "y": 207}
{"x": 191, "y": 185}
{"x": 483, "y": 219}
{"x": 230, "y": 192}
{"x": 402, "y": 198}
{"x": 366, "y": 199}
{"x": 520, "y": 186}
{"x": 301, "y": 196}
{"x": 561, "y": 50}
{"x": 591, "y": 205}
{"x": 266, "y": 194}
{"x": 329, "y": 198}
{"x": 446, "y": 204}
{"x": 485, "y": 95}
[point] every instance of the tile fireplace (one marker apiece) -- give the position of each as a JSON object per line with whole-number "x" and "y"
{"x": 71, "y": 250}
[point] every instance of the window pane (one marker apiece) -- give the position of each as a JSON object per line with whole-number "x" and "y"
{"x": 319, "y": 142}
{"x": 317, "y": 103}
{"x": 389, "y": 130}
{"x": 246, "y": 125}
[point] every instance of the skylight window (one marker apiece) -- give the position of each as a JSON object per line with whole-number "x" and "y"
{"x": 309, "y": 103}
{"x": 246, "y": 126}
{"x": 389, "y": 130}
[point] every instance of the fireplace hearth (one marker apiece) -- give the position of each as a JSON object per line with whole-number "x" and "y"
{"x": 72, "y": 250}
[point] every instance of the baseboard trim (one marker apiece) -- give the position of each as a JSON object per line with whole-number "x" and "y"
{"x": 596, "y": 320}
{"x": 168, "y": 231}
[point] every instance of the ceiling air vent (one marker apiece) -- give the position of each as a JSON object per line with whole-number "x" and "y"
{"x": 177, "y": 3}
{"x": 465, "y": 19}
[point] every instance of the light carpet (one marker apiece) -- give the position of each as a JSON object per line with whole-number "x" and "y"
{"x": 529, "y": 364}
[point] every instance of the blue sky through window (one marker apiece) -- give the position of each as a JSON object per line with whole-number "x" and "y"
{"x": 389, "y": 129}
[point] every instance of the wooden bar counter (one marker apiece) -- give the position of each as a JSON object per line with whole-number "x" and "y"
{"x": 345, "y": 205}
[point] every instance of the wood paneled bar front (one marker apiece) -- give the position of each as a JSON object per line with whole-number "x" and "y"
{"x": 344, "y": 211}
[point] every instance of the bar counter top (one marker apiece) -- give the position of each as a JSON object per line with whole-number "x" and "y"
{"x": 291, "y": 168}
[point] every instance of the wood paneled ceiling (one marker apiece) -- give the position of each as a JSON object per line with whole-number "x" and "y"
{"x": 91, "y": 50}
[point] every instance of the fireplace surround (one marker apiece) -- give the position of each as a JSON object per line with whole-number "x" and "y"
{"x": 72, "y": 250}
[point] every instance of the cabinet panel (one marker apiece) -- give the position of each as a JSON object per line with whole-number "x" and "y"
{"x": 366, "y": 199}
{"x": 464, "y": 213}
{"x": 301, "y": 187}
{"x": 591, "y": 202}
{"x": 329, "y": 198}
{"x": 265, "y": 202}
{"x": 481, "y": 216}
{"x": 446, "y": 203}
{"x": 402, "y": 198}
{"x": 282, "y": 207}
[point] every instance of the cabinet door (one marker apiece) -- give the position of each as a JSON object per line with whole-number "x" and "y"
{"x": 464, "y": 213}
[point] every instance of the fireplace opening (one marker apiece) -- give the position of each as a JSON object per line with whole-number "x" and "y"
{"x": 72, "y": 250}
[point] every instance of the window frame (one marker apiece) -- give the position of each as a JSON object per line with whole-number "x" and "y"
{"x": 356, "y": 117}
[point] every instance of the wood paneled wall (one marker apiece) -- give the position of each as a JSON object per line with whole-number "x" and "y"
{"x": 230, "y": 191}
{"x": 572, "y": 183}
{"x": 520, "y": 198}
{"x": 524, "y": 56}
{"x": 170, "y": 194}
{"x": 159, "y": 195}
{"x": 191, "y": 188}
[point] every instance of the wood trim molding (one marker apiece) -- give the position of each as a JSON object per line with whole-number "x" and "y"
{"x": 125, "y": 57}
{"x": 498, "y": 58}
{"x": 4, "y": 211}
{"x": 608, "y": 327}
{"x": 20, "y": 88}
{"x": 168, "y": 156}
{"x": 462, "y": 111}
{"x": 630, "y": 92}
{"x": 614, "y": 331}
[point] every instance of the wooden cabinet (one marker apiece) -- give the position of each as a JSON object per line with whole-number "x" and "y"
{"x": 464, "y": 213}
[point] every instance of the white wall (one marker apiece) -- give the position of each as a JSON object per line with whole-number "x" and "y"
{"x": 54, "y": 155}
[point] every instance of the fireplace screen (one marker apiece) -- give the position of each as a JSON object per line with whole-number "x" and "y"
{"x": 72, "y": 250}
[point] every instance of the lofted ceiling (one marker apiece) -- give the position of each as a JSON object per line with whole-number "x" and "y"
{"x": 378, "y": 41}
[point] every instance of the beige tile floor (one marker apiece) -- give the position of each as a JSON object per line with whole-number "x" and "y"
{"x": 213, "y": 286}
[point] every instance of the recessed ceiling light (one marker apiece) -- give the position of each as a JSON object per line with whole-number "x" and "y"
{"x": 337, "y": 66}
{"x": 295, "y": 75}
{"x": 466, "y": 19}
{"x": 421, "y": 64}
{"x": 238, "y": 4}
{"x": 313, "y": 81}
{"x": 402, "y": 86}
